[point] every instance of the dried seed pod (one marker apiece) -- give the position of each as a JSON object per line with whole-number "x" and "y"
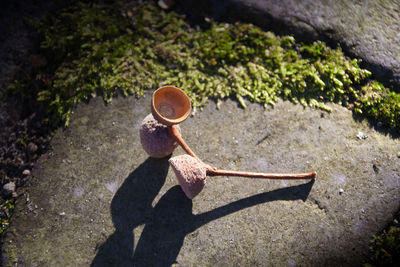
{"x": 192, "y": 174}
{"x": 155, "y": 138}
{"x": 170, "y": 105}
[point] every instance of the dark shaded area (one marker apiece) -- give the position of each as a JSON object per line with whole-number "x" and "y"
{"x": 24, "y": 133}
{"x": 386, "y": 245}
{"x": 130, "y": 207}
{"x": 18, "y": 38}
{"x": 167, "y": 224}
{"x": 163, "y": 237}
{"x": 377, "y": 125}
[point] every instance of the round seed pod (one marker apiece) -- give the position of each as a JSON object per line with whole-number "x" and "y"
{"x": 155, "y": 138}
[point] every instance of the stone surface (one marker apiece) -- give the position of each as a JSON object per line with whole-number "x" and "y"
{"x": 97, "y": 199}
{"x": 367, "y": 29}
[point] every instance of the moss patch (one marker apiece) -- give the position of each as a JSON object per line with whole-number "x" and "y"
{"x": 6, "y": 209}
{"x": 94, "y": 48}
{"x": 385, "y": 248}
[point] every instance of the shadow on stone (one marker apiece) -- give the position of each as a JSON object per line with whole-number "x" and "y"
{"x": 131, "y": 207}
{"x": 376, "y": 125}
{"x": 162, "y": 237}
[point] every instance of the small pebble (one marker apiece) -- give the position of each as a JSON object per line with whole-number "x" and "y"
{"x": 341, "y": 191}
{"x": 194, "y": 111}
{"x": 398, "y": 155}
{"x": 8, "y": 189}
{"x": 32, "y": 147}
{"x": 62, "y": 214}
{"x": 165, "y": 4}
{"x": 362, "y": 136}
{"x": 26, "y": 172}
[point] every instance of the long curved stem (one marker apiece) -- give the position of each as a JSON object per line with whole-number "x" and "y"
{"x": 173, "y": 131}
{"x": 310, "y": 175}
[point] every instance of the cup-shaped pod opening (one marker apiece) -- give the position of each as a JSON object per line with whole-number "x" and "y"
{"x": 170, "y": 105}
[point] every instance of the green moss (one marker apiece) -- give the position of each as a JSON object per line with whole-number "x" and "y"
{"x": 6, "y": 208}
{"x": 385, "y": 248}
{"x": 379, "y": 102}
{"x": 128, "y": 48}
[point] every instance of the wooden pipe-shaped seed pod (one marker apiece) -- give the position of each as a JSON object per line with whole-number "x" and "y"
{"x": 158, "y": 132}
{"x": 192, "y": 174}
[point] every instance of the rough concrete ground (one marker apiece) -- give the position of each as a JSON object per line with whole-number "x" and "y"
{"x": 97, "y": 199}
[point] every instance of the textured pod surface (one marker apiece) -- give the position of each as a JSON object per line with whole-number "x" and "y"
{"x": 190, "y": 173}
{"x": 155, "y": 138}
